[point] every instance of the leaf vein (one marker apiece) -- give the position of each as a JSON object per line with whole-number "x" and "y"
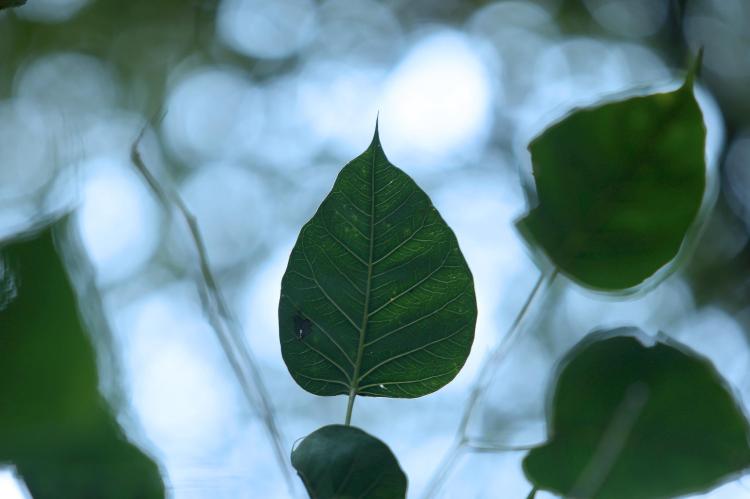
{"x": 414, "y": 350}
{"x": 419, "y": 319}
{"x": 412, "y": 287}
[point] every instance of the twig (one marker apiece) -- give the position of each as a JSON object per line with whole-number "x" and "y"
{"x": 481, "y": 384}
{"x": 500, "y": 352}
{"x": 444, "y": 468}
{"x": 227, "y": 329}
{"x": 483, "y": 448}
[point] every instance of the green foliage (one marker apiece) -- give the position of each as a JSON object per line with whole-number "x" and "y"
{"x": 54, "y": 424}
{"x": 377, "y": 298}
{"x": 345, "y": 462}
{"x": 5, "y": 4}
{"x": 629, "y": 420}
{"x": 618, "y": 186}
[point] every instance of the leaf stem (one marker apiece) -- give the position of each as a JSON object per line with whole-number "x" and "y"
{"x": 482, "y": 383}
{"x": 228, "y": 331}
{"x": 350, "y": 407}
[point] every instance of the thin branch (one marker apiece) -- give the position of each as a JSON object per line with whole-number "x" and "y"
{"x": 444, "y": 468}
{"x": 485, "y": 448}
{"x": 228, "y": 331}
{"x": 491, "y": 363}
{"x": 482, "y": 383}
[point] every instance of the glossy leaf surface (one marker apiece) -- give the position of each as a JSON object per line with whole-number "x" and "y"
{"x": 628, "y": 420}
{"x": 339, "y": 461}
{"x": 377, "y": 298}
{"x": 54, "y": 424}
{"x": 618, "y": 186}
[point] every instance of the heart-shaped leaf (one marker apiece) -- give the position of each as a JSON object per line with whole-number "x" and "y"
{"x": 628, "y": 420}
{"x": 342, "y": 461}
{"x": 618, "y": 186}
{"x": 54, "y": 425}
{"x": 377, "y": 298}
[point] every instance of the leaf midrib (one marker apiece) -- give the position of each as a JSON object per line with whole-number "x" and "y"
{"x": 368, "y": 284}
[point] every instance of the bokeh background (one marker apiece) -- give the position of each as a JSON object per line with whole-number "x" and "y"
{"x": 253, "y": 106}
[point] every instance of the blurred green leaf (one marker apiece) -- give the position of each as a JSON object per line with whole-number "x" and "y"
{"x": 54, "y": 424}
{"x": 4, "y": 4}
{"x": 618, "y": 187}
{"x": 628, "y": 420}
{"x": 377, "y": 298}
{"x": 345, "y": 462}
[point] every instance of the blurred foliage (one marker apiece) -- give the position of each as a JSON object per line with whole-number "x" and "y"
{"x": 630, "y": 419}
{"x": 619, "y": 185}
{"x": 4, "y": 4}
{"x": 339, "y": 461}
{"x": 148, "y": 46}
{"x": 54, "y": 424}
{"x": 142, "y": 41}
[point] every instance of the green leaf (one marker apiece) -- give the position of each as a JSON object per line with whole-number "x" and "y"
{"x": 618, "y": 187}
{"x": 377, "y": 298}
{"x": 5, "y": 4}
{"x": 54, "y": 425}
{"x": 631, "y": 416}
{"x": 345, "y": 462}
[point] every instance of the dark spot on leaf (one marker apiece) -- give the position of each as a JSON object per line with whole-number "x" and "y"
{"x": 302, "y": 327}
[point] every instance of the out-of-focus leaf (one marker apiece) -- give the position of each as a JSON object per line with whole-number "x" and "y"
{"x": 4, "y": 4}
{"x": 377, "y": 298}
{"x": 54, "y": 424}
{"x": 618, "y": 187}
{"x": 629, "y": 420}
{"x": 345, "y": 462}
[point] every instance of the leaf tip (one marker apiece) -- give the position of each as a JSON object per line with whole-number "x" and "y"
{"x": 376, "y": 135}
